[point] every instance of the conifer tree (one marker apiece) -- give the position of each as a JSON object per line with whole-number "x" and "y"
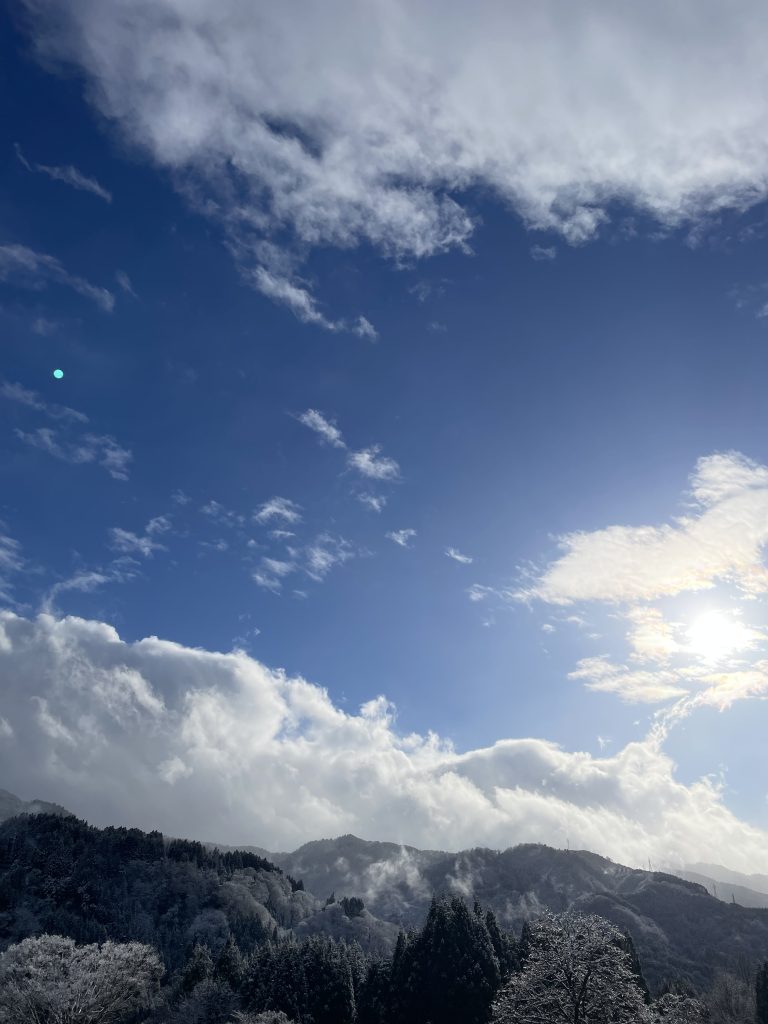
{"x": 229, "y": 966}
{"x": 198, "y": 968}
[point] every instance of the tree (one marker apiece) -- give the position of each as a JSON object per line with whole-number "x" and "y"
{"x": 50, "y": 980}
{"x": 761, "y": 995}
{"x": 731, "y": 1000}
{"x": 576, "y": 972}
{"x": 197, "y": 968}
{"x": 678, "y": 1009}
{"x": 229, "y": 966}
{"x": 267, "y": 1017}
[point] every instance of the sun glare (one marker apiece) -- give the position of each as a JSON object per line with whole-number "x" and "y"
{"x": 715, "y": 636}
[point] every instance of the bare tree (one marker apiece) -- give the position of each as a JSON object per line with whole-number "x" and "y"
{"x": 576, "y": 972}
{"x": 731, "y": 1000}
{"x": 50, "y": 980}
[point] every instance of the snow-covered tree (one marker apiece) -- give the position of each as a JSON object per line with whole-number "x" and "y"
{"x": 576, "y": 971}
{"x": 678, "y": 1009}
{"x": 50, "y": 980}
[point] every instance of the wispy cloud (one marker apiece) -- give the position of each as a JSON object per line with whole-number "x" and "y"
{"x": 326, "y": 552}
{"x": 141, "y": 544}
{"x": 218, "y": 512}
{"x": 293, "y": 293}
{"x": 401, "y": 537}
{"x": 26, "y": 268}
{"x": 370, "y": 463}
{"x": 101, "y": 449}
{"x": 314, "y": 560}
{"x": 11, "y": 561}
{"x": 374, "y": 502}
{"x": 125, "y": 283}
{"x": 322, "y": 426}
{"x": 457, "y": 556}
{"x": 543, "y": 252}
{"x": 12, "y": 392}
{"x": 85, "y": 581}
{"x": 278, "y": 508}
{"x": 69, "y": 175}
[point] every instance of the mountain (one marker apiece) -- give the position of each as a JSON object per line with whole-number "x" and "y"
{"x": 11, "y": 805}
{"x": 726, "y": 876}
{"x": 62, "y": 876}
{"x": 677, "y": 926}
{"x": 728, "y": 892}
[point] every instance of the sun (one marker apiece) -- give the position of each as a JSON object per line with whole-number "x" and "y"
{"x": 715, "y": 636}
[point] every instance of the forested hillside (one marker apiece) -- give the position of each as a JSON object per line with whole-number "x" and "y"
{"x": 677, "y": 925}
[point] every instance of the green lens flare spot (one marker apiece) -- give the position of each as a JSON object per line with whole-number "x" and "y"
{"x": 58, "y": 374}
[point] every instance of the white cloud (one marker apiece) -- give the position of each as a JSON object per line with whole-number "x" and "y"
{"x": 215, "y": 510}
{"x": 145, "y": 545}
{"x": 264, "y": 115}
{"x": 368, "y": 462}
{"x": 324, "y": 553}
{"x": 374, "y": 502}
{"x": 722, "y": 539}
{"x": 543, "y": 252}
{"x": 653, "y": 686}
{"x": 278, "y": 508}
{"x": 402, "y": 537}
{"x": 457, "y": 556}
{"x": 102, "y": 449}
{"x": 125, "y": 283}
{"x": 69, "y": 175}
{"x": 24, "y": 396}
{"x": 11, "y": 562}
{"x": 96, "y": 722}
{"x": 327, "y": 430}
{"x": 26, "y": 268}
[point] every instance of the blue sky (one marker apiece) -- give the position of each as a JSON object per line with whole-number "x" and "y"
{"x": 543, "y": 355}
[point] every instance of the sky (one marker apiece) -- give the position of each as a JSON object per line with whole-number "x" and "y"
{"x": 407, "y": 470}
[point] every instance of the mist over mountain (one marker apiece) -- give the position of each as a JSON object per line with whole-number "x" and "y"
{"x": 11, "y": 805}
{"x": 348, "y": 889}
{"x": 677, "y": 925}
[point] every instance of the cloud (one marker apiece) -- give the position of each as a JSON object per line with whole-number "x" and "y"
{"x": 722, "y": 539}
{"x": 23, "y": 396}
{"x": 368, "y": 462}
{"x": 125, "y": 283}
{"x": 263, "y": 117}
{"x": 652, "y": 686}
{"x": 104, "y": 726}
{"x": 402, "y": 537}
{"x": 120, "y": 570}
{"x": 315, "y": 560}
{"x": 102, "y": 449}
{"x": 29, "y": 269}
{"x": 327, "y": 430}
{"x": 278, "y": 508}
{"x": 290, "y": 291}
{"x": 215, "y": 510}
{"x": 146, "y": 544}
{"x": 324, "y": 553}
{"x": 457, "y": 556}
{"x": 11, "y": 562}
{"x": 542, "y": 252}
{"x": 69, "y": 175}
{"x": 374, "y": 502}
